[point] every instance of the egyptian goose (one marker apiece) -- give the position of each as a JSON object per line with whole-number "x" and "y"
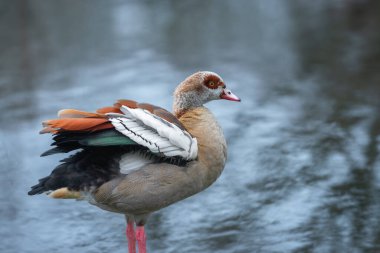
{"x": 137, "y": 158}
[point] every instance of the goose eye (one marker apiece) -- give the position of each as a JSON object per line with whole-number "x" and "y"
{"x": 211, "y": 84}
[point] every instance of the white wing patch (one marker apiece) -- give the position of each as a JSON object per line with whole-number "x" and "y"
{"x": 132, "y": 161}
{"x": 155, "y": 133}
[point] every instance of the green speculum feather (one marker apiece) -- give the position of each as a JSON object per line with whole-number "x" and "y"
{"x": 108, "y": 138}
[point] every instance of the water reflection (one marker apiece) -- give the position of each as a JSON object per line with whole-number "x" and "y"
{"x": 303, "y": 169}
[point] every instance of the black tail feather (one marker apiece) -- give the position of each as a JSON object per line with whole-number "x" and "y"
{"x": 58, "y": 150}
{"x": 39, "y": 188}
{"x": 87, "y": 168}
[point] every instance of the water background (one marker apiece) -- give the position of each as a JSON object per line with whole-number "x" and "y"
{"x": 303, "y": 170}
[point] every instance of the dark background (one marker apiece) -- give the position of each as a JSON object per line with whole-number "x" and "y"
{"x": 303, "y": 173}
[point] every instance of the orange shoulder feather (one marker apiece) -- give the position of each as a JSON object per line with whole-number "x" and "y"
{"x": 75, "y": 120}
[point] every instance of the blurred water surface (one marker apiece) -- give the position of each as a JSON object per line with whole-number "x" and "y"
{"x": 303, "y": 173}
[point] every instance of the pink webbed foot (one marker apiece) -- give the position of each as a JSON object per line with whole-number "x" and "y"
{"x": 131, "y": 237}
{"x": 141, "y": 239}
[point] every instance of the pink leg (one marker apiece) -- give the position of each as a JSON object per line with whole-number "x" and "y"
{"x": 131, "y": 237}
{"x": 141, "y": 239}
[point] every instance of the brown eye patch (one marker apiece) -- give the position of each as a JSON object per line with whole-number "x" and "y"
{"x": 213, "y": 82}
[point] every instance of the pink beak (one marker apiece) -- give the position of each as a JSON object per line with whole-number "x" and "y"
{"x": 227, "y": 94}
